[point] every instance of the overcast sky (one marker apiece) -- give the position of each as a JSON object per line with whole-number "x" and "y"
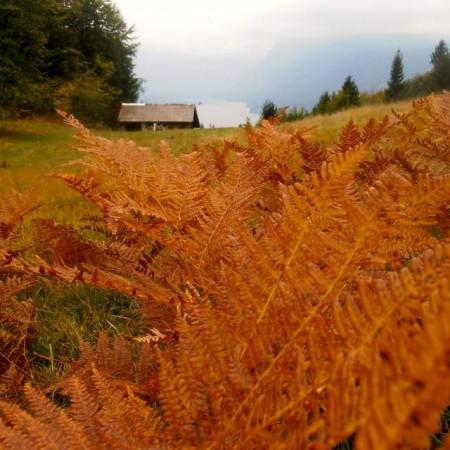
{"x": 208, "y": 50}
{"x": 237, "y": 27}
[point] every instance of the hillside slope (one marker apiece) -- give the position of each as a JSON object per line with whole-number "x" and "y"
{"x": 324, "y": 128}
{"x": 295, "y": 73}
{"x": 30, "y": 149}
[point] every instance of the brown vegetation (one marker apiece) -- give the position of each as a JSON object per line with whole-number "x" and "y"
{"x": 294, "y": 294}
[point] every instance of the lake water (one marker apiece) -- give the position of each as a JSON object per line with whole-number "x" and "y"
{"x": 224, "y": 113}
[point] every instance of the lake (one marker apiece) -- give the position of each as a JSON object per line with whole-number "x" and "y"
{"x": 223, "y": 113}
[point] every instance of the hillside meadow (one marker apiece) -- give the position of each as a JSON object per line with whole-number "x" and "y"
{"x": 325, "y": 128}
{"x": 30, "y": 150}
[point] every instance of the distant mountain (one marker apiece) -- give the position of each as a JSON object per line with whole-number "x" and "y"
{"x": 293, "y": 73}
{"x": 296, "y": 73}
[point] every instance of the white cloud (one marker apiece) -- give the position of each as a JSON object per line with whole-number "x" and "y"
{"x": 230, "y": 27}
{"x": 248, "y": 50}
{"x": 202, "y": 27}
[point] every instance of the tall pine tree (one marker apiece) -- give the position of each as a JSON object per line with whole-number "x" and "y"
{"x": 441, "y": 67}
{"x": 349, "y": 94}
{"x": 23, "y": 53}
{"x": 100, "y": 48}
{"x": 323, "y": 105}
{"x": 77, "y": 55}
{"x": 396, "y": 85}
{"x": 268, "y": 110}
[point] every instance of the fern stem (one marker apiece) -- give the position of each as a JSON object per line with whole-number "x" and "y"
{"x": 280, "y": 276}
{"x": 319, "y": 307}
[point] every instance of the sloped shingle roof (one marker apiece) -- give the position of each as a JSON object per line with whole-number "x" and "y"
{"x": 156, "y": 113}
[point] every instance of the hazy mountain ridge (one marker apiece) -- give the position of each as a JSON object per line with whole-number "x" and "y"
{"x": 294, "y": 75}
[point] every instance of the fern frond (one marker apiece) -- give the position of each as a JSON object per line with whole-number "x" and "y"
{"x": 297, "y": 294}
{"x": 415, "y": 400}
{"x": 47, "y": 412}
{"x": 14, "y": 207}
{"x": 22, "y": 427}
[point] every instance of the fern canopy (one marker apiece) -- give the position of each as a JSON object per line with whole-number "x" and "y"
{"x": 294, "y": 294}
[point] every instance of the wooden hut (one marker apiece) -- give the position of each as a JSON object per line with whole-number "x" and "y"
{"x": 137, "y": 116}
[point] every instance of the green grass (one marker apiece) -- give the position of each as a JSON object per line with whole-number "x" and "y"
{"x": 180, "y": 141}
{"x": 30, "y": 150}
{"x": 66, "y": 314}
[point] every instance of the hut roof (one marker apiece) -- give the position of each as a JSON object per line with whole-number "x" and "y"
{"x": 156, "y": 113}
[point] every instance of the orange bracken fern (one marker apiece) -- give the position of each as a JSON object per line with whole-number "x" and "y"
{"x": 295, "y": 295}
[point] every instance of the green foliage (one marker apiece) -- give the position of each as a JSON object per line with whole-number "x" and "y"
{"x": 398, "y": 87}
{"x": 323, "y": 105}
{"x": 434, "y": 80}
{"x": 77, "y": 53}
{"x": 89, "y": 97}
{"x": 97, "y": 30}
{"x": 268, "y": 110}
{"x": 349, "y": 94}
{"x": 441, "y": 66}
{"x": 23, "y": 53}
{"x": 420, "y": 85}
{"x": 338, "y": 102}
{"x": 293, "y": 114}
{"x": 67, "y": 314}
{"x": 347, "y": 97}
{"x": 396, "y": 84}
{"x": 372, "y": 98}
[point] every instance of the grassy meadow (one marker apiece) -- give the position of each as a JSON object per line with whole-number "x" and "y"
{"x": 32, "y": 149}
{"x": 324, "y": 128}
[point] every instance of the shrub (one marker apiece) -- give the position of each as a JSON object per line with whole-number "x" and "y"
{"x": 268, "y": 110}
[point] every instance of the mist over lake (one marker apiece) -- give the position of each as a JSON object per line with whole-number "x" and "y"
{"x": 222, "y": 113}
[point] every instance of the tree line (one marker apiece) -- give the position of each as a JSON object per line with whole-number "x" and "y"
{"x": 398, "y": 88}
{"x": 76, "y": 55}
{"x": 437, "y": 79}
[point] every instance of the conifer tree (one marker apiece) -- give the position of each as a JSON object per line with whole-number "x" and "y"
{"x": 76, "y": 55}
{"x": 440, "y": 59}
{"x": 322, "y": 106}
{"x": 350, "y": 93}
{"x": 23, "y": 25}
{"x": 268, "y": 110}
{"x": 396, "y": 84}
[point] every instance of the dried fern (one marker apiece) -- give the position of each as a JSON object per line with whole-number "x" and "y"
{"x": 302, "y": 292}
{"x": 16, "y": 317}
